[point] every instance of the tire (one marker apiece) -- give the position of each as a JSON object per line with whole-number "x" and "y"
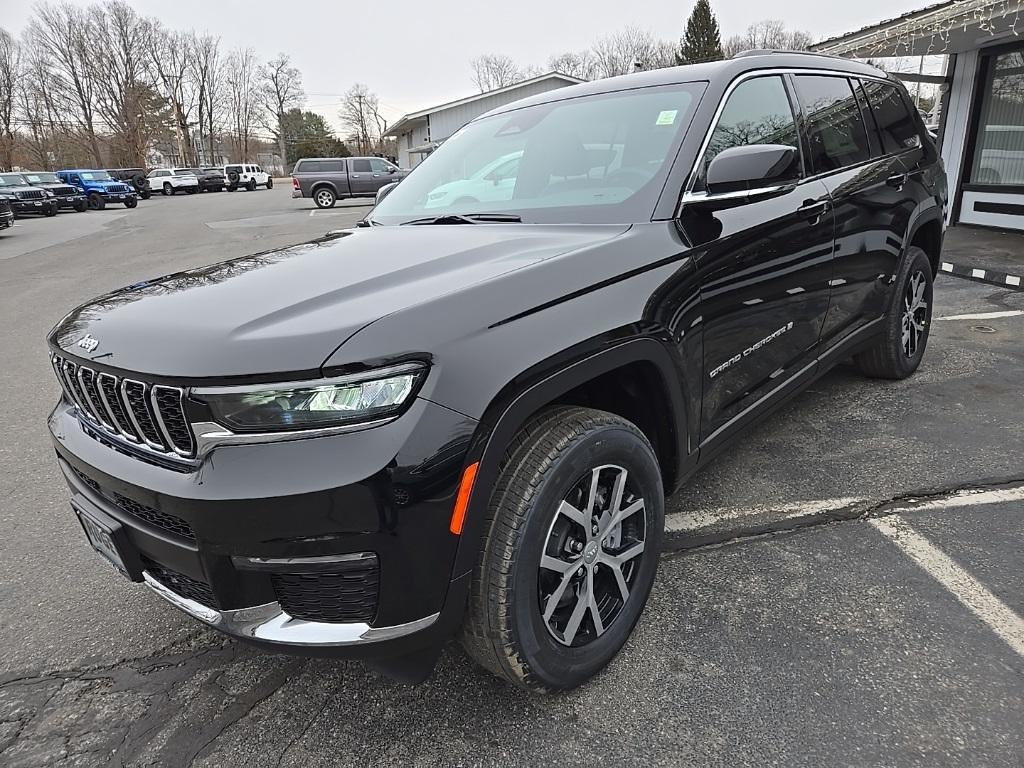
{"x": 168, "y": 189}
{"x": 251, "y": 185}
{"x": 551, "y": 462}
{"x": 131, "y": 203}
{"x": 81, "y": 207}
{"x": 324, "y": 197}
{"x": 96, "y": 202}
{"x": 270, "y": 183}
{"x": 192, "y": 190}
{"x": 900, "y": 350}
{"x": 139, "y": 182}
{"x": 50, "y": 212}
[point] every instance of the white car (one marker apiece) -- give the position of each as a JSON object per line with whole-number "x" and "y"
{"x": 248, "y": 176}
{"x": 171, "y": 180}
{"x": 493, "y": 183}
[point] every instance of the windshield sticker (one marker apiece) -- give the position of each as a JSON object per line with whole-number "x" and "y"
{"x": 666, "y": 117}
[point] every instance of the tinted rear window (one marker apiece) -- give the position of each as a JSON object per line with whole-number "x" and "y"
{"x": 361, "y": 165}
{"x": 835, "y": 125}
{"x": 895, "y": 123}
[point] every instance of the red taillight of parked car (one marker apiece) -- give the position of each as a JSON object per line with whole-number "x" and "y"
{"x": 295, "y": 183}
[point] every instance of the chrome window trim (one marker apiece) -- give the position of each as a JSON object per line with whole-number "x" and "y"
{"x": 269, "y": 622}
{"x": 691, "y": 179}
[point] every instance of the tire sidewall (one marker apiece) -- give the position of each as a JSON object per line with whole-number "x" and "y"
{"x": 554, "y": 664}
{"x": 916, "y": 260}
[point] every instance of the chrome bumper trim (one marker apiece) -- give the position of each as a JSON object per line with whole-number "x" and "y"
{"x": 271, "y": 624}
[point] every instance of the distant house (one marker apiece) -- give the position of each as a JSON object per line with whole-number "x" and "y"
{"x": 419, "y": 133}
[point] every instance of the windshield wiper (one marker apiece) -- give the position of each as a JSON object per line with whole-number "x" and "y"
{"x": 368, "y": 222}
{"x": 467, "y": 218}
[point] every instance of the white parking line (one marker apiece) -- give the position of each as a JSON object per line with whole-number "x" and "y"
{"x": 998, "y": 616}
{"x": 969, "y": 499}
{"x": 691, "y": 521}
{"x": 984, "y": 315}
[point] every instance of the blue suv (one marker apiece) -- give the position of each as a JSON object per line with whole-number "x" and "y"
{"x": 100, "y": 188}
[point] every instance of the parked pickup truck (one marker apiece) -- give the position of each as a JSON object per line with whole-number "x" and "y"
{"x": 25, "y": 198}
{"x": 325, "y": 179}
{"x": 100, "y": 188}
{"x": 66, "y": 195}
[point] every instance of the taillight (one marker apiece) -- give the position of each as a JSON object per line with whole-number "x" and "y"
{"x": 295, "y": 183}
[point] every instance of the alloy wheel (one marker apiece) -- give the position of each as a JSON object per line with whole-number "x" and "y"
{"x": 591, "y": 556}
{"x": 323, "y": 198}
{"x": 915, "y": 313}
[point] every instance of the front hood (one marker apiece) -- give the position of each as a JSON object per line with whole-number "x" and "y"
{"x": 286, "y": 311}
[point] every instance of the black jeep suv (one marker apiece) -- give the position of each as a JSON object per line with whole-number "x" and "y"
{"x": 25, "y": 198}
{"x": 65, "y": 195}
{"x": 464, "y": 419}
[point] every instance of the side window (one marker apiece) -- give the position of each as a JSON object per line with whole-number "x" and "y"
{"x": 360, "y": 165}
{"x": 333, "y": 166}
{"x": 757, "y": 112}
{"x": 380, "y": 166}
{"x": 835, "y": 125}
{"x": 895, "y": 123}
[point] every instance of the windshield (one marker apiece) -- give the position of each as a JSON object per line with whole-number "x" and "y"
{"x": 41, "y": 178}
{"x": 95, "y": 176}
{"x": 601, "y": 158}
{"x": 11, "y": 180}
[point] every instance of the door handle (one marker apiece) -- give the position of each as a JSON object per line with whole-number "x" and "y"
{"x": 897, "y": 181}
{"x": 812, "y": 210}
{"x": 355, "y": 175}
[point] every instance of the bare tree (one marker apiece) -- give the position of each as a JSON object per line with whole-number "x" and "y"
{"x": 767, "y": 34}
{"x": 282, "y": 90}
{"x": 240, "y": 80}
{"x": 208, "y": 70}
{"x": 10, "y": 69}
{"x": 492, "y": 71}
{"x": 124, "y": 83}
{"x": 631, "y": 50}
{"x": 37, "y": 111}
{"x": 60, "y": 33}
{"x": 581, "y": 64}
{"x": 172, "y": 53}
{"x": 360, "y": 114}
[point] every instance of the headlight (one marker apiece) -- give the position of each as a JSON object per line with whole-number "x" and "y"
{"x": 341, "y": 401}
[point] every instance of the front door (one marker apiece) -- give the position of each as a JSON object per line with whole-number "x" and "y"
{"x": 765, "y": 263}
{"x": 360, "y": 177}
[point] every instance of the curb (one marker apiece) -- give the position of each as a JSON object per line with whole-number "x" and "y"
{"x": 990, "y": 276}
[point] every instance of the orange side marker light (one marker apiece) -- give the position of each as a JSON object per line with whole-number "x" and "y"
{"x": 462, "y": 500}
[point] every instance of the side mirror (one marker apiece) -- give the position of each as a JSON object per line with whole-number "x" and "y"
{"x": 384, "y": 191}
{"x": 752, "y": 167}
{"x": 392, "y": 170}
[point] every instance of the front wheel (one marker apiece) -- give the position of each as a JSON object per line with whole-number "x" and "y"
{"x": 168, "y": 189}
{"x": 901, "y": 347}
{"x": 270, "y": 183}
{"x": 251, "y": 186}
{"x": 96, "y": 201}
{"x": 51, "y": 211}
{"x": 81, "y": 207}
{"x": 131, "y": 202}
{"x": 573, "y": 530}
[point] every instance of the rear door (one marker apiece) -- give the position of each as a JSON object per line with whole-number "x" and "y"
{"x": 868, "y": 187}
{"x": 360, "y": 177}
{"x": 765, "y": 262}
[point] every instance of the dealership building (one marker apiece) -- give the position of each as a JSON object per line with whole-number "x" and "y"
{"x": 981, "y": 113}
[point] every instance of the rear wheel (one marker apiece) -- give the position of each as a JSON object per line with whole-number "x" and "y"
{"x": 270, "y": 183}
{"x": 324, "y": 198}
{"x": 96, "y": 201}
{"x": 901, "y": 347}
{"x": 251, "y": 186}
{"x": 574, "y": 526}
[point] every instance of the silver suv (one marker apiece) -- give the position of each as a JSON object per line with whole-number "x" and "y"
{"x": 325, "y": 179}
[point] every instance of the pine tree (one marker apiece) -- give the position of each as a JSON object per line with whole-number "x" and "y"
{"x": 701, "y": 40}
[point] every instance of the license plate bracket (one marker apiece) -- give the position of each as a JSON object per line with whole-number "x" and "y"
{"x": 110, "y": 539}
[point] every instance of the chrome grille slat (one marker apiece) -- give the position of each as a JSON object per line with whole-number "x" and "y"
{"x": 149, "y": 416}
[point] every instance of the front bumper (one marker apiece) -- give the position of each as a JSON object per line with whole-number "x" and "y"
{"x": 71, "y": 201}
{"x": 297, "y": 192}
{"x": 117, "y": 197}
{"x": 231, "y": 542}
{"x": 21, "y": 207}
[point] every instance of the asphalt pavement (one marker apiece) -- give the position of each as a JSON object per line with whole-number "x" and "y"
{"x": 843, "y": 587}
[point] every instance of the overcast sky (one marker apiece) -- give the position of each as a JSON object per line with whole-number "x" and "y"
{"x": 416, "y": 54}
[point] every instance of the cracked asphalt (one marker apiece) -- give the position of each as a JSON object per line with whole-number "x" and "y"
{"x": 785, "y": 627}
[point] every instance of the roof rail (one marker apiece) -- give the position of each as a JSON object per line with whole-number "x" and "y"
{"x": 768, "y": 51}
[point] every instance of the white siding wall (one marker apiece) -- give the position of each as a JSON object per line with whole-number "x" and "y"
{"x": 447, "y": 121}
{"x": 958, "y": 118}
